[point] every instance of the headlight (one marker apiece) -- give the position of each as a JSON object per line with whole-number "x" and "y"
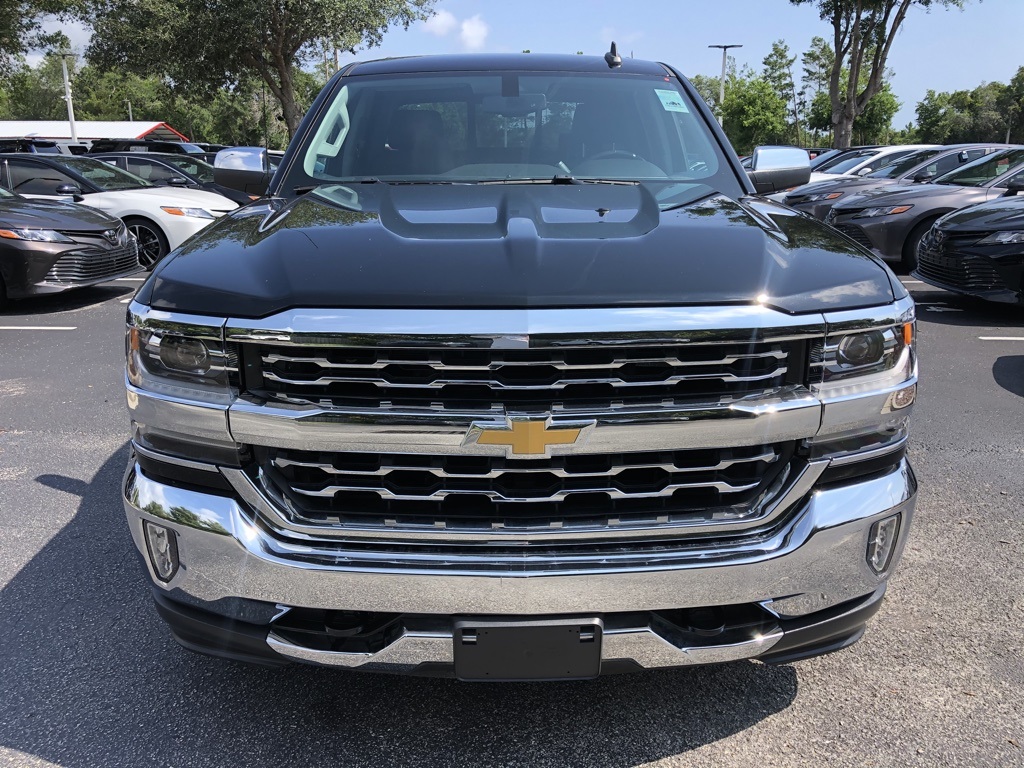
{"x": 196, "y": 213}
{"x": 886, "y": 210}
{"x": 180, "y": 360}
{"x": 874, "y": 357}
{"x": 1003, "y": 238}
{"x": 35, "y": 235}
{"x": 822, "y": 196}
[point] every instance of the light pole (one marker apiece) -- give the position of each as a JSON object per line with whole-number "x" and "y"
{"x": 721, "y": 82}
{"x": 67, "y": 95}
{"x": 129, "y": 103}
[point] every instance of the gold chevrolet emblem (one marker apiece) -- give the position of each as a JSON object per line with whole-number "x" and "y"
{"x": 527, "y": 438}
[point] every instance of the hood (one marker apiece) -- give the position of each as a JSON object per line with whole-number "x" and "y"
{"x": 904, "y": 193}
{"x": 18, "y": 213}
{"x": 183, "y": 196}
{"x": 512, "y": 246}
{"x": 1003, "y": 214}
{"x": 845, "y": 184}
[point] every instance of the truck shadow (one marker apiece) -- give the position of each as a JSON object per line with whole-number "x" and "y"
{"x": 91, "y": 677}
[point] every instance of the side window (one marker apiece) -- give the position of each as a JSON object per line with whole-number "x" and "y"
{"x": 946, "y": 164}
{"x": 28, "y": 178}
{"x": 149, "y": 170}
{"x": 1016, "y": 177}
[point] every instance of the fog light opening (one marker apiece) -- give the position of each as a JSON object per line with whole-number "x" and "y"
{"x": 882, "y": 542}
{"x": 904, "y": 397}
{"x": 163, "y": 550}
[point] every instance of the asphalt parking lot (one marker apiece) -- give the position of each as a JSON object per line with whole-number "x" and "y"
{"x": 90, "y": 677}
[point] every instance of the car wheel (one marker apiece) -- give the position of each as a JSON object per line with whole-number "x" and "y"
{"x": 152, "y": 242}
{"x": 909, "y": 260}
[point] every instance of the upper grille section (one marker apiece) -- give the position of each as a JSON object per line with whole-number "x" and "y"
{"x": 544, "y": 379}
{"x": 92, "y": 265}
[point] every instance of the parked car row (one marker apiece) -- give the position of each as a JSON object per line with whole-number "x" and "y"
{"x": 949, "y": 214}
{"x": 69, "y": 221}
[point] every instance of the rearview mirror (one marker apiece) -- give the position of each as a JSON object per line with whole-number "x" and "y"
{"x": 773, "y": 169}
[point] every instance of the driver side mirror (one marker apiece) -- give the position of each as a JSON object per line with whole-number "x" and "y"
{"x": 177, "y": 181}
{"x": 243, "y": 168}
{"x": 773, "y": 169}
{"x": 72, "y": 190}
{"x": 865, "y": 171}
{"x": 923, "y": 177}
{"x": 1014, "y": 185}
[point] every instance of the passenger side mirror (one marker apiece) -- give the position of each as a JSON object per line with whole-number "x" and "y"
{"x": 69, "y": 189}
{"x": 865, "y": 171}
{"x": 177, "y": 181}
{"x": 922, "y": 177}
{"x": 773, "y": 169}
{"x": 243, "y": 168}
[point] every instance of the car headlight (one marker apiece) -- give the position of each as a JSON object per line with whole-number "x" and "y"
{"x": 35, "y": 235}
{"x": 196, "y": 213}
{"x": 885, "y": 210}
{"x": 180, "y": 360}
{"x": 822, "y": 196}
{"x": 1003, "y": 238}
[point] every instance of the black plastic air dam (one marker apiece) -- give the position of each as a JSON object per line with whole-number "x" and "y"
{"x": 214, "y": 635}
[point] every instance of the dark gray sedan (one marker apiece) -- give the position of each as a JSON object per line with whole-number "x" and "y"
{"x": 817, "y": 198}
{"x": 891, "y": 221}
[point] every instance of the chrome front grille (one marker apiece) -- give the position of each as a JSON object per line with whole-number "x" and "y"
{"x": 545, "y": 379}
{"x": 93, "y": 265}
{"x": 560, "y": 493}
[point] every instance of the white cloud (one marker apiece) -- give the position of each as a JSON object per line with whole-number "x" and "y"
{"x": 441, "y": 23}
{"x": 474, "y": 33}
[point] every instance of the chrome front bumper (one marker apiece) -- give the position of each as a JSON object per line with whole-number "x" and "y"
{"x": 230, "y": 565}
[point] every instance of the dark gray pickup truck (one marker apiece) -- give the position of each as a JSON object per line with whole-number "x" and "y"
{"x": 513, "y": 376}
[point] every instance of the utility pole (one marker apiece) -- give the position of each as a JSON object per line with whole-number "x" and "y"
{"x": 721, "y": 82}
{"x": 67, "y": 95}
{"x": 130, "y": 118}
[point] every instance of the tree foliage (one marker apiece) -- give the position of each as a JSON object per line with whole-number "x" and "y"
{"x": 203, "y": 45}
{"x": 778, "y": 72}
{"x": 863, "y": 35}
{"x": 990, "y": 112}
{"x": 21, "y": 29}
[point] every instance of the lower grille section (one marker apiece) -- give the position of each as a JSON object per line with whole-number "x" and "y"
{"x": 475, "y": 494}
{"x": 856, "y": 234}
{"x": 971, "y": 273}
{"x": 93, "y": 265}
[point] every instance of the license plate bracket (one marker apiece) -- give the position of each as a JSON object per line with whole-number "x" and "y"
{"x": 546, "y": 649}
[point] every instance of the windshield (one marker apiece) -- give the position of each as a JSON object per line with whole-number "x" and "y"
{"x": 846, "y": 162}
{"x": 106, "y": 177}
{"x": 983, "y": 171}
{"x": 904, "y": 164}
{"x": 513, "y": 127}
{"x": 193, "y": 166}
{"x": 4, "y": 194}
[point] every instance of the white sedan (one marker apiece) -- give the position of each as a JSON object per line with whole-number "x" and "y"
{"x": 161, "y": 218}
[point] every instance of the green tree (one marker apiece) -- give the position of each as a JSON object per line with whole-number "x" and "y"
{"x": 205, "y": 44}
{"x": 21, "y": 29}
{"x": 863, "y": 35}
{"x": 778, "y": 71}
{"x": 754, "y": 113}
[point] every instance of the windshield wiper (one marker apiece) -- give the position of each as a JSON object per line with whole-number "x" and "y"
{"x": 301, "y": 190}
{"x": 559, "y": 179}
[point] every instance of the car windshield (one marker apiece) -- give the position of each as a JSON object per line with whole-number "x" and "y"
{"x": 107, "y": 177}
{"x": 982, "y": 171}
{"x": 5, "y": 195}
{"x": 193, "y": 166}
{"x": 509, "y": 127}
{"x": 846, "y": 162}
{"x": 904, "y": 164}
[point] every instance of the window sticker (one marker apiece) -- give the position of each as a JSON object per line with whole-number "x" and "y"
{"x": 672, "y": 101}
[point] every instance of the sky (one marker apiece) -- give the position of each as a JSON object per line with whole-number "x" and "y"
{"x": 942, "y": 50}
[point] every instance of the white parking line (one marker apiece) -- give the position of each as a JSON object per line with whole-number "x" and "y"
{"x": 1001, "y": 338}
{"x": 914, "y": 282}
{"x": 129, "y": 279}
{"x": 126, "y": 301}
{"x": 38, "y": 327}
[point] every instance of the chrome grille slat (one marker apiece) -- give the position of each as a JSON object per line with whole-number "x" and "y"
{"x": 494, "y": 384}
{"x": 330, "y": 469}
{"x": 90, "y": 265}
{"x": 331, "y": 490}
